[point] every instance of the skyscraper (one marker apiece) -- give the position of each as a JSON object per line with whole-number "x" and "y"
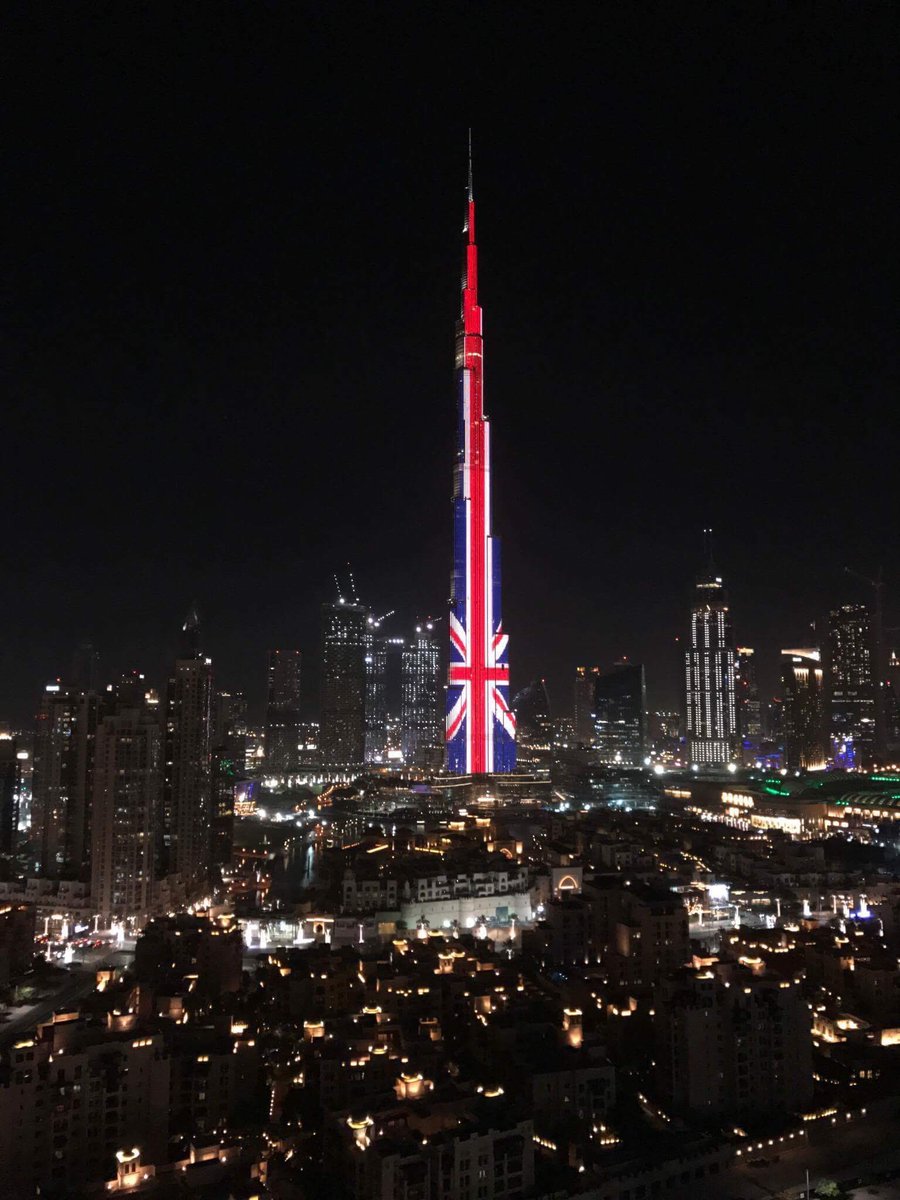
{"x": 534, "y": 727}
{"x": 422, "y": 694}
{"x": 125, "y": 797}
{"x": 383, "y": 690}
{"x": 585, "y": 679}
{"x": 620, "y": 714}
{"x": 803, "y": 709}
{"x": 342, "y": 738}
{"x": 185, "y": 793}
{"x": 851, "y": 682}
{"x": 710, "y": 675}
{"x": 282, "y": 711}
{"x": 63, "y": 765}
{"x": 10, "y": 791}
{"x": 481, "y": 730}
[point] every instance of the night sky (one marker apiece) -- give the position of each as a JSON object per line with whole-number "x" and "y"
{"x": 232, "y": 291}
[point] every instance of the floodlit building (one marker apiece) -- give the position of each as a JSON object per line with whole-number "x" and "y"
{"x": 710, "y": 676}
{"x": 803, "y": 712}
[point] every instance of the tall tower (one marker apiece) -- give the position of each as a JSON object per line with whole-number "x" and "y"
{"x": 63, "y": 763}
{"x": 852, "y": 683}
{"x": 420, "y": 721}
{"x": 710, "y": 675}
{"x": 185, "y": 792}
{"x": 125, "y": 799}
{"x": 481, "y": 729}
{"x": 803, "y": 681}
{"x": 342, "y": 740}
{"x": 282, "y": 711}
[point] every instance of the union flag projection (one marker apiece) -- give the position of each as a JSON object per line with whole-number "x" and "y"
{"x": 481, "y": 729}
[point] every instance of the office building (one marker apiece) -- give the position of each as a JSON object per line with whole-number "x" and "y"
{"x": 851, "y": 685}
{"x": 620, "y": 715}
{"x": 185, "y": 828}
{"x": 422, "y": 699}
{"x": 125, "y": 799}
{"x": 342, "y": 734}
{"x": 710, "y": 672}
{"x": 585, "y": 679}
{"x": 481, "y": 729}
{"x": 282, "y": 711}
{"x": 803, "y": 709}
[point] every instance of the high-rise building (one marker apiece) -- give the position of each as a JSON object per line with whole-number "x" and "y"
{"x": 342, "y": 736}
{"x": 803, "y": 709}
{"x": 585, "y": 678}
{"x": 749, "y": 709}
{"x": 620, "y": 714}
{"x": 534, "y": 727}
{"x": 851, "y": 684}
{"x": 185, "y": 826}
{"x": 10, "y": 792}
{"x": 283, "y": 711}
{"x": 383, "y": 691}
{"x": 710, "y": 676}
{"x": 61, "y": 788}
{"x": 421, "y": 704}
{"x": 125, "y": 800}
{"x": 481, "y": 729}
{"x": 226, "y": 770}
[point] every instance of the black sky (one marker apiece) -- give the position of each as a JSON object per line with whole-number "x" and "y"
{"x": 230, "y": 304}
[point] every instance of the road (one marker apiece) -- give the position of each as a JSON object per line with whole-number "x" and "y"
{"x": 77, "y": 984}
{"x": 856, "y": 1149}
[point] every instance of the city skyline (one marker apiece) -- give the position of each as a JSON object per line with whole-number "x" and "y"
{"x": 692, "y": 284}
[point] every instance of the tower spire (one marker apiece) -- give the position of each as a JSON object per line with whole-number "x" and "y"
{"x": 471, "y": 192}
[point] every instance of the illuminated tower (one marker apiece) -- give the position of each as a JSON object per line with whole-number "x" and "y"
{"x": 481, "y": 730}
{"x": 710, "y": 675}
{"x": 282, "y": 711}
{"x": 420, "y": 711}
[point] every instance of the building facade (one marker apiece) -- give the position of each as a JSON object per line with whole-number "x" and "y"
{"x": 422, "y": 694}
{"x": 619, "y": 714}
{"x": 803, "y": 711}
{"x": 282, "y": 711}
{"x": 851, "y": 686}
{"x": 710, "y": 675}
{"x": 342, "y": 734}
{"x": 185, "y": 826}
{"x": 62, "y": 782}
{"x": 481, "y": 729}
{"x": 125, "y": 799}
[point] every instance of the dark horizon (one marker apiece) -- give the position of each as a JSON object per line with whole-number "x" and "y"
{"x": 232, "y": 302}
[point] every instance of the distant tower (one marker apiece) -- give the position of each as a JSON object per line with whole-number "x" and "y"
{"x": 585, "y": 680}
{"x": 710, "y": 675}
{"x": 342, "y": 736}
{"x": 620, "y": 715}
{"x": 185, "y": 793}
{"x": 125, "y": 798}
{"x": 481, "y": 730}
{"x": 747, "y": 692}
{"x": 282, "y": 711}
{"x": 851, "y": 680}
{"x": 803, "y": 709}
{"x": 422, "y": 697}
{"x": 61, "y": 789}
